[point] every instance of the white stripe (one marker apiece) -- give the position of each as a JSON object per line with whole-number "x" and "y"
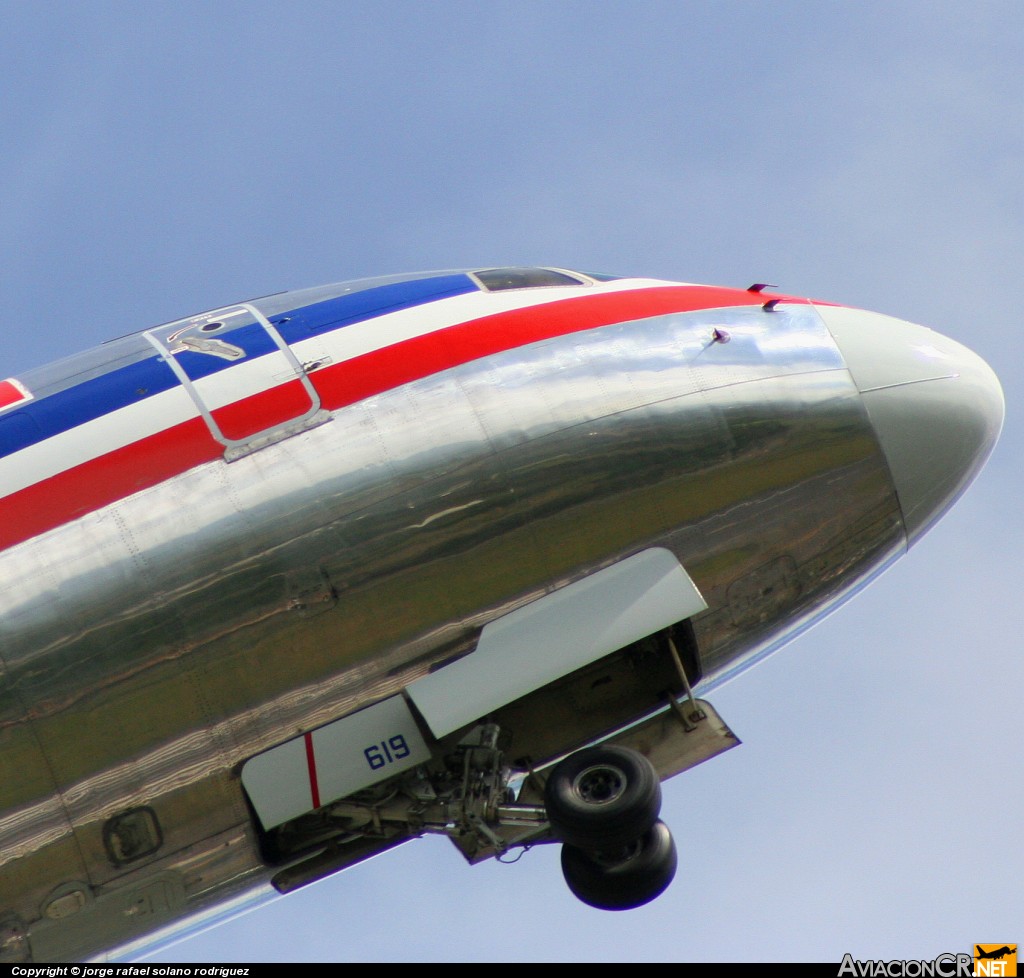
{"x": 248, "y": 377}
{"x": 243, "y": 379}
{"x": 155, "y": 414}
{"x": 95, "y": 438}
{"x": 389, "y": 329}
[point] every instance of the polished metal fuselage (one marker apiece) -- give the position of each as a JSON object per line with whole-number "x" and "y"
{"x": 150, "y": 648}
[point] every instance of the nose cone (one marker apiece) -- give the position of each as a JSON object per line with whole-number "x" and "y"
{"x": 936, "y": 407}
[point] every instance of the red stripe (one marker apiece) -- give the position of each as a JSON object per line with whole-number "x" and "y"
{"x": 150, "y": 461}
{"x": 100, "y": 481}
{"x": 314, "y": 788}
{"x": 422, "y": 356}
{"x": 9, "y": 393}
{"x": 261, "y": 411}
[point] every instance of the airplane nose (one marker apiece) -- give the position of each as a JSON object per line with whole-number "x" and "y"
{"x": 936, "y": 407}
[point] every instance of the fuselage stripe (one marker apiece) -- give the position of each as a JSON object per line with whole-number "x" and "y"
{"x": 314, "y": 787}
{"x": 100, "y": 481}
{"x": 11, "y": 392}
{"x": 148, "y": 458}
{"x": 420, "y": 356}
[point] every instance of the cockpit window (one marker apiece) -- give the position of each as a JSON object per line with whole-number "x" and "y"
{"x": 499, "y": 279}
{"x": 71, "y": 371}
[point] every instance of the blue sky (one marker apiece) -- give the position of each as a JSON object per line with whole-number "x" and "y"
{"x": 165, "y": 158}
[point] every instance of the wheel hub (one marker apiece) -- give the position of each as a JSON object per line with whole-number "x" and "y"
{"x": 600, "y": 784}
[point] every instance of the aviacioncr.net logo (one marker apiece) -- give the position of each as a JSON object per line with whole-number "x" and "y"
{"x": 946, "y": 965}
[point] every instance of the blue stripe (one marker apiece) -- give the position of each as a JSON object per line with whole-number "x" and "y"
{"x": 345, "y": 310}
{"x": 17, "y": 430}
{"x": 49, "y": 416}
{"x": 253, "y": 339}
{"x": 45, "y": 417}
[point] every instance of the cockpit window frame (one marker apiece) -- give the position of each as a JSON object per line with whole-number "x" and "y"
{"x": 569, "y": 278}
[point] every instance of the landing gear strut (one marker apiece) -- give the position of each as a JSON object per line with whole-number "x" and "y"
{"x": 603, "y": 804}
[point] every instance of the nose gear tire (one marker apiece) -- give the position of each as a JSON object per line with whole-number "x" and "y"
{"x": 602, "y": 798}
{"x": 626, "y": 879}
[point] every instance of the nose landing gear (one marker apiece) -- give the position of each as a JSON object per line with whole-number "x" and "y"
{"x": 602, "y": 804}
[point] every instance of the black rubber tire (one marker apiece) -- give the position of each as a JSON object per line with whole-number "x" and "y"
{"x": 602, "y": 798}
{"x": 627, "y": 880}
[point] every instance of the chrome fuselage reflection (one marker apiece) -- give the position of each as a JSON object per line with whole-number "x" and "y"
{"x": 151, "y": 647}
